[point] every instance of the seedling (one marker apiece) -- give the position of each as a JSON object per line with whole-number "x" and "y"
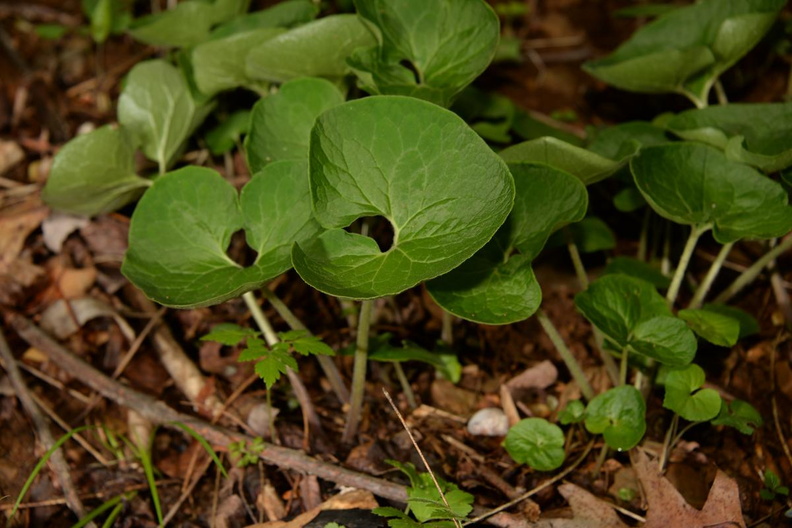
{"x": 772, "y": 486}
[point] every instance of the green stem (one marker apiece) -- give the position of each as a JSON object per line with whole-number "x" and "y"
{"x": 747, "y": 276}
{"x": 667, "y": 442}
{"x": 717, "y": 264}
{"x": 566, "y": 355}
{"x": 643, "y": 239}
{"x": 447, "y": 331}
{"x": 300, "y": 392}
{"x": 720, "y": 93}
{"x": 358, "y": 372}
{"x": 684, "y": 260}
{"x": 405, "y": 385}
{"x": 574, "y": 254}
{"x": 623, "y": 366}
{"x": 326, "y": 362}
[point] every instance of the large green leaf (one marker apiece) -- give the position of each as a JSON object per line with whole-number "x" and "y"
{"x": 220, "y": 64}
{"x": 182, "y": 227}
{"x": 157, "y": 107}
{"x": 442, "y": 189}
{"x": 624, "y": 140}
{"x": 284, "y": 15}
{"x": 536, "y": 442}
{"x": 758, "y": 134}
{"x": 281, "y": 124}
{"x": 619, "y": 414}
{"x": 94, "y": 174}
{"x": 187, "y": 24}
{"x": 586, "y": 165}
{"x": 696, "y": 184}
{"x": 317, "y": 49}
{"x": 497, "y": 285}
{"x": 430, "y": 50}
{"x": 685, "y": 50}
{"x": 717, "y": 328}
{"x": 631, "y": 313}
{"x": 684, "y": 395}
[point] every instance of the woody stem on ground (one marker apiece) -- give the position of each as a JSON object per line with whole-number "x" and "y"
{"x": 684, "y": 260}
{"x": 300, "y": 392}
{"x": 747, "y": 276}
{"x": 574, "y": 367}
{"x": 717, "y": 264}
{"x": 326, "y": 362}
{"x": 358, "y": 372}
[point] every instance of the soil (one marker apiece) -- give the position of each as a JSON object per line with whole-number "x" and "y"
{"x": 49, "y": 89}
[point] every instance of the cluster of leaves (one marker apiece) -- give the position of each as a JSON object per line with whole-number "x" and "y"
{"x": 466, "y": 221}
{"x": 271, "y": 361}
{"x": 424, "y": 501}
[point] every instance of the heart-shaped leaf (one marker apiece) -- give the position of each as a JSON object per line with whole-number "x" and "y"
{"x": 739, "y": 414}
{"x": 182, "y": 227}
{"x": 430, "y": 50}
{"x": 682, "y": 395}
{"x": 536, "y": 442}
{"x": 619, "y": 414}
{"x": 281, "y": 124}
{"x": 497, "y": 285}
{"x": 94, "y": 174}
{"x": 157, "y": 107}
{"x": 748, "y": 323}
{"x": 696, "y": 184}
{"x": 225, "y": 136}
{"x": 316, "y": 49}
{"x": 283, "y": 15}
{"x": 585, "y": 165}
{"x": 718, "y": 329}
{"x": 624, "y": 140}
{"x": 759, "y": 134}
{"x": 685, "y": 50}
{"x": 220, "y": 64}
{"x": 630, "y": 312}
{"x": 421, "y": 168}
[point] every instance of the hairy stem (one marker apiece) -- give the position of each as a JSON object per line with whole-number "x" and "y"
{"x": 684, "y": 260}
{"x": 577, "y": 262}
{"x": 717, "y": 264}
{"x": 358, "y": 372}
{"x": 447, "y": 331}
{"x": 747, "y": 276}
{"x": 566, "y": 355}
{"x": 326, "y": 362}
{"x": 405, "y": 385}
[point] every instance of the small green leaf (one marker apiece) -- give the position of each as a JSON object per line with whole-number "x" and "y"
{"x": 225, "y": 136}
{"x": 50, "y": 31}
{"x": 281, "y": 123}
{"x": 220, "y": 64}
{"x": 587, "y": 166}
{"x": 574, "y": 412}
{"x": 94, "y": 173}
{"x": 695, "y": 184}
{"x": 186, "y": 25}
{"x": 624, "y": 140}
{"x": 757, "y": 134}
{"x": 628, "y": 200}
{"x": 536, "y": 442}
{"x": 718, "y": 329}
{"x": 739, "y": 414}
{"x": 316, "y": 49}
{"x": 664, "y": 339}
{"x": 592, "y": 234}
{"x": 157, "y": 107}
{"x": 229, "y": 334}
{"x": 682, "y": 395}
{"x": 748, "y": 323}
{"x": 497, "y": 285}
{"x": 638, "y": 269}
{"x": 304, "y": 343}
{"x": 619, "y": 414}
{"x": 255, "y": 349}
{"x": 374, "y": 157}
{"x": 272, "y": 363}
{"x": 284, "y": 15}
{"x": 425, "y": 50}
{"x": 447, "y": 364}
{"x": 182, "y": 227}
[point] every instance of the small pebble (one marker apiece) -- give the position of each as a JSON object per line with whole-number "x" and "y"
{"x": 491, "y": 421}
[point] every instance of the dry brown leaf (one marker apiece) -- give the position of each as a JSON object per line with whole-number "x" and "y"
{"x": 540, "y": 376}
{"x": 588, "y": 510}
{"x": 16, "y": 223}
{"x": 348, "y": 500}
{"x": 10, "y": 154}
{"x": 667, "y": 507}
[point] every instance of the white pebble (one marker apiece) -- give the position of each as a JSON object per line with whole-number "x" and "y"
{"x": 491, "y": 421}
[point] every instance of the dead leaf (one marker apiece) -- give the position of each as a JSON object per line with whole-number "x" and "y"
{"x": 10, "y": 154}
{"x": 270, "y": 503}
{"x": 16, "y": 224}
{"x": 666, "y": 507}
{"x": 588, "y": 510}
{"x": 540, "y": 376}
{"x": 449, "y": 397}
{"x": 62, "y": 317}
{"x": 58, "y": 226}
{"x": 347, "y": 500}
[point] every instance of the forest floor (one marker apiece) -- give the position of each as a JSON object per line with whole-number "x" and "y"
{"x": 49, "y": 88}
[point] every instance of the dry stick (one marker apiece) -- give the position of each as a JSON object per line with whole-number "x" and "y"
{"x": 86, "y": 496}
{"x": 327, "y": 364}
{"x": 159, "y": 413}
{"x": 535, "y": 490}
{"x": 420, "y": 454}
{"x": 59, "y": 464}
{"x": 747, "y": 276}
